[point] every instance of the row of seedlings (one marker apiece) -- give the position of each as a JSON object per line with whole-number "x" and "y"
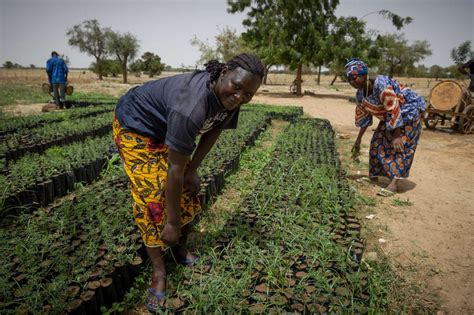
{"x": 10, "y": 125}
{"x": 78, "y": 256}
{"x": 278, "y": 252}
{"x": 37, "y": 179}
{"x": 40, "y": 139}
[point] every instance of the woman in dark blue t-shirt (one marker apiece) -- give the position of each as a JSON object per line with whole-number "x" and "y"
{"x": 155, "y": 130}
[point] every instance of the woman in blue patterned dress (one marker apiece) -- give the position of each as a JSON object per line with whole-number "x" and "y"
{"x": 399, "y": 110}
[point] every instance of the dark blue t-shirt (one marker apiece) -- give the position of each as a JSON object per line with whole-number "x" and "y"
{"x": 174, "y": 110}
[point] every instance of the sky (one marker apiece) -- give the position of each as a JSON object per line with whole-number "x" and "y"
{"x": 31, "y": 29}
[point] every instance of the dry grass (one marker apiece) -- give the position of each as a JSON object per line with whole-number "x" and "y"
{"x": 86, "y": 81}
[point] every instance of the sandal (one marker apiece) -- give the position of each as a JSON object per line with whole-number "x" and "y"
{"x": 369, "y": 180}
{"x": 188, "y": 262}
{"x": 386, "y": 192}
{"x": 183, "y": 261}
{"x": 159, "y": 296}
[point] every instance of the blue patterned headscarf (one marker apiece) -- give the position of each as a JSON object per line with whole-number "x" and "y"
{"x": 355, "y": 67}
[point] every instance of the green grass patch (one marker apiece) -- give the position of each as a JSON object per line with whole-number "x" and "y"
{"x": 402, "y": 202}
{"x": 21, "y": 94}
{"x": 11, "y": 94}
{"x": 91, "y": 96}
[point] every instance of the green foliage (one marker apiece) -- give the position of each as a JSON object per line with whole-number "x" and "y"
{"x": 397, "y": 20}
{"x": 152, "y": 64}
{"x": 11, "y": 94}
{"x": 124, "y": 47}
{"x": 11, "y": 65}
{"x": 462, "y": 53}
{"x": 402, "y": 202}
{"x": 436, "y": 72}
{"x": 347, "y": 39}
{"x": 394, "y": 56}
{"x": 228, "y": 45}
{"x": 90, "y": 38}
{"x": 108, "y": 67}
{"x": 286, "y": 32}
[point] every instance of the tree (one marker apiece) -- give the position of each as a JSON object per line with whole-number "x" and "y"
{"x": 437, "y": 72}
{"x": 8, "y": 65}
{"x": 90, "y": 38}
{"x": 151, "y": 64}
{"x": 136, "y": 67}
{"x": 347, "y": 39}
{"x": 286, "y": 32}
{"x": 109, "y": 67}
{"x": 462, "y": 53}
{"x": 124, "y": 47}
{"x": 395, "y": 56}
{"x": 228, "y": 45}
{"x": 32, "y": 66}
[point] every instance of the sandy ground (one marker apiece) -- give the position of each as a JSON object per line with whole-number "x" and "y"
{"x": 431, "y": 238}
{"x": 434, "y": 236}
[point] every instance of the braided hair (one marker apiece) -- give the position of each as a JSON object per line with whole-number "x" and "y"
{"x": 248, "y": 62}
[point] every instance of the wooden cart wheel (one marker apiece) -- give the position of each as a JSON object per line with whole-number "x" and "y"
{"x": 430, "y": 120}
{"x": 466, "y": 124}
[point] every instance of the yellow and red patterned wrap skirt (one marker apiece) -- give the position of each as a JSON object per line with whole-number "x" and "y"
{"x": 146, "y": 165}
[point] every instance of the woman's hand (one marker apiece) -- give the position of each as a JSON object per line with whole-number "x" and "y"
{"x": 171, "y": 234}
{"x": 192, "y": 182}
{"x": 355, "y": 150}
{"x": 397, "y": 143}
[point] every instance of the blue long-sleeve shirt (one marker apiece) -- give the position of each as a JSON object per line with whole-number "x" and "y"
{"x": 57, "y": 70}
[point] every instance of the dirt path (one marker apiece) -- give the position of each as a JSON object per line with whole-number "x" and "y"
{"x": 434, "y": 235}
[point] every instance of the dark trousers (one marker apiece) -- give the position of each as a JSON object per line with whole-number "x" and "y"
{"x": 59, "y": 90}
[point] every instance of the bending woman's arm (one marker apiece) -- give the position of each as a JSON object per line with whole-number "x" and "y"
{"x": 356, "y": 147}
{"x": 207, "y": 141}
{"x": 174, "y": 189}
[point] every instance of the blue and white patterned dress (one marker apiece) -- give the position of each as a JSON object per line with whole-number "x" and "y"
{"x": 397, "y": 107}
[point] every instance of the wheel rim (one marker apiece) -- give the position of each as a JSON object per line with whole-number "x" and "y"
{"x": 467, "y": 122}
{"x": 431, "y": 120}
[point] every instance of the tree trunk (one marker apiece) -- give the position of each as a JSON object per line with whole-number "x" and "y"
{"x": 319, "y": 75}
{"x": 98, "y": 62}
{"x": 333, "y": 80}
{"x": 267, "y": 68}
{"x": 298, "y": 79}
{"x": 124, "y": 72}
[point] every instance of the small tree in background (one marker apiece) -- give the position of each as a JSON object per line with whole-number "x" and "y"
{"x": 8, "y": 65}
{"x": 437, "y": 72}
{"x": 124, "y": 47}
{"x": 394, "y": 56}
{"x": 90, "y": 38}
{"x": 152, "y": 64}
{"x": 228, "y": 45}
{"x": 136, "y": 67}
{"x": 108, "y": 67}
{"x": 149, "y": 64}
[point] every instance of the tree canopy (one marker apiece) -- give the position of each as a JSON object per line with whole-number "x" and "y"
{"x": 462, "y": 53}
{"x": 90, "y": 38}
{"x": 290, "y": 33}
{"x": 124, "y": 47}
{"x": 228, "y": 45}
{"x": 149, "y": 64}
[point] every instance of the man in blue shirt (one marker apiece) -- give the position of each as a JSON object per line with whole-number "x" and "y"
{"x": 57, "y": 71}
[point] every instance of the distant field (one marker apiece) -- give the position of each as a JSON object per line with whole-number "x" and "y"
{"x": 23, "y": 86}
